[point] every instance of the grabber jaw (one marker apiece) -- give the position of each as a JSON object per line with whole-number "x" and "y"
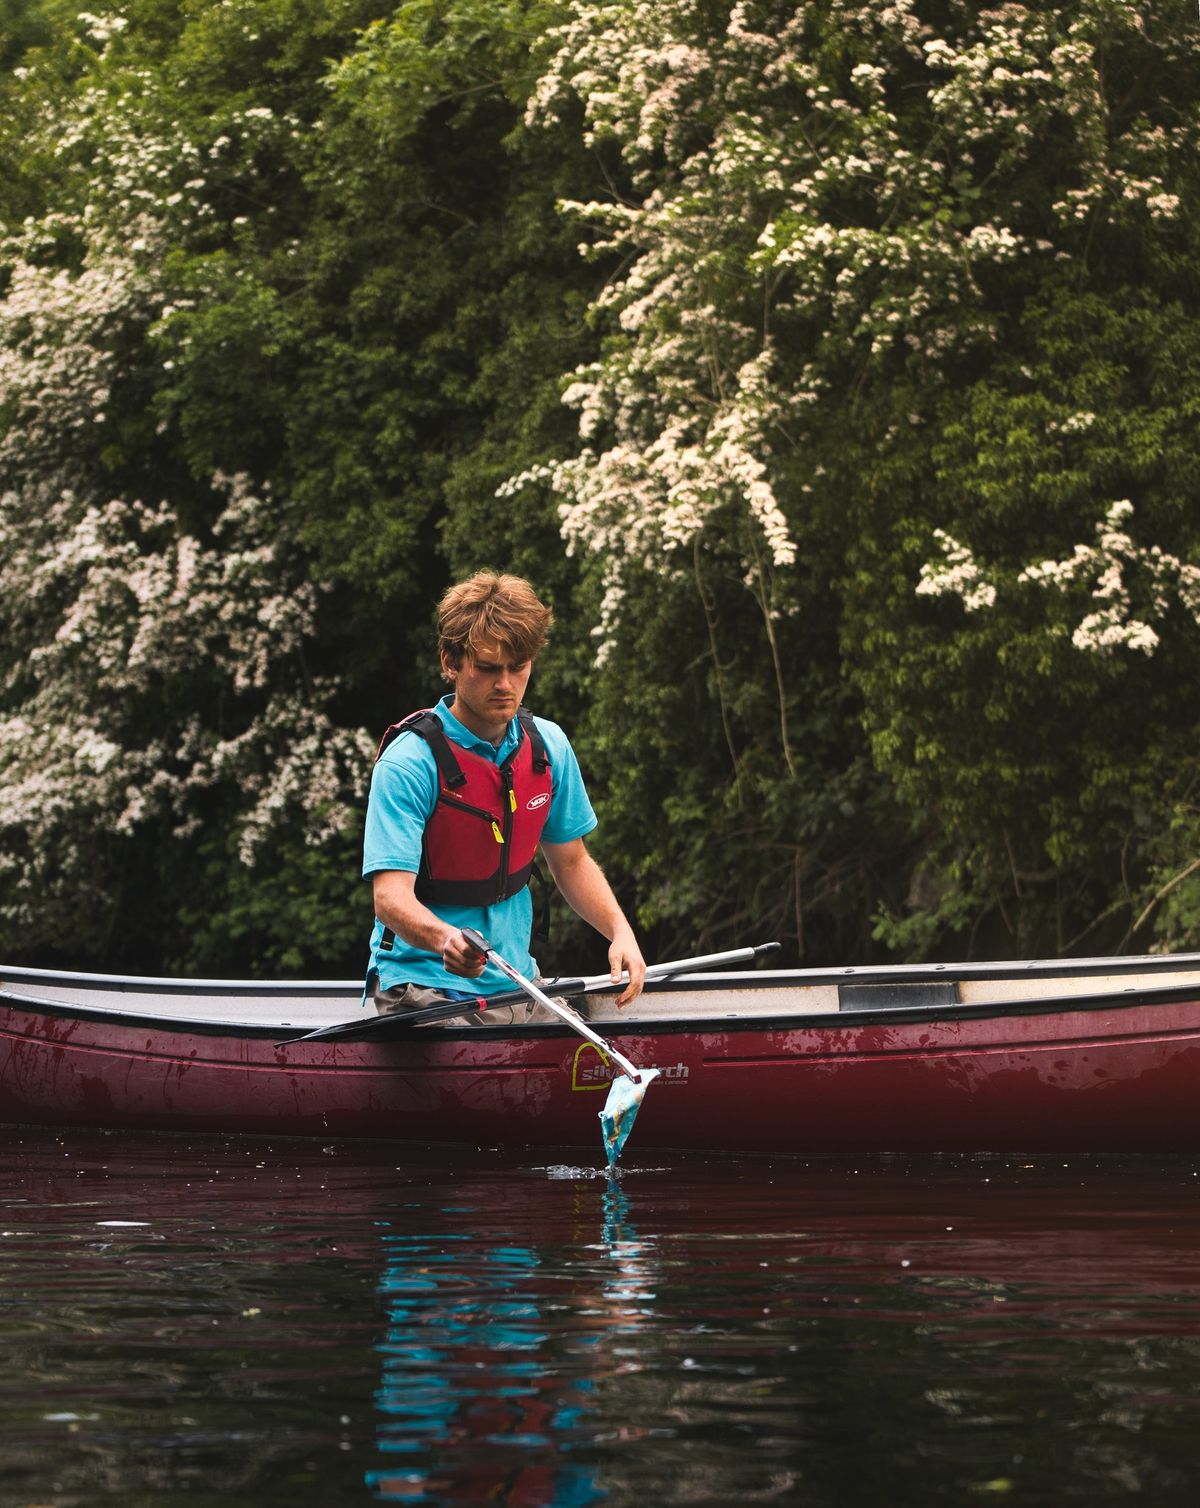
{"x": 624, "y": 1100}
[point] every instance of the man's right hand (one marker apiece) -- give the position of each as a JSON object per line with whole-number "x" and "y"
{"x": 459, "y": 957}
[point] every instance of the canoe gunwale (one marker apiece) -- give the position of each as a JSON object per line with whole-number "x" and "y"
{"x": 1147, "y": 963}
{"x": 391, "y": 1028}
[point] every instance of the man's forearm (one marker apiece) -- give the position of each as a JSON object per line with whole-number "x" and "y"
{"x": 397, "y": 907}
{"x": 586, "y": 890}
{"x": 411, "y": 920}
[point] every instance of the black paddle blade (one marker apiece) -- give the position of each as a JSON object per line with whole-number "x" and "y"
{"x": 399, "y": 1023}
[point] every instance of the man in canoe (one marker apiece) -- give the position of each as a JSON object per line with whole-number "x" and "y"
{"x": 462, "y": 795}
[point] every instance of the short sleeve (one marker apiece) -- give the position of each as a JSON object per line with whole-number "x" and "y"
{"x": 403, "y": 795}
{"x": 571, "y": 815}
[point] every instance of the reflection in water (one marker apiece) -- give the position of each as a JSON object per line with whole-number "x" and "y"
{"x": 491, "y": 1362}
{"x": 628, "y": 1285}
{"x": 229, "y": 1321}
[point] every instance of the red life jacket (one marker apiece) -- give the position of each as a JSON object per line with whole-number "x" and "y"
{"x": 480, "y": 841}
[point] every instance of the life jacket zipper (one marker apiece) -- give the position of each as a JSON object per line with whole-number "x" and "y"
{"x": 508, "y": 805}
{"x": 475, "y": 811}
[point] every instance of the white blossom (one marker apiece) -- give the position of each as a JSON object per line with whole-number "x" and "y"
{"x": 956, "y": 574}
{"x": 1105, "y": 568}
{"x": 149, "y": 669}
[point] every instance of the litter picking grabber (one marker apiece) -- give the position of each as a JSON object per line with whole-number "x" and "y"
{"x": 625, "y": 1094}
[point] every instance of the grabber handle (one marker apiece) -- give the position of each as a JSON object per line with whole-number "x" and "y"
{"x": 477, "y": 941}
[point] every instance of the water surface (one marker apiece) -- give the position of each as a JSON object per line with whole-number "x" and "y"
{"x": 235, "y": 1321}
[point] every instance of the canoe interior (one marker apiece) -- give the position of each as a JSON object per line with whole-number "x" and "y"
{"x": 716, "y": 998}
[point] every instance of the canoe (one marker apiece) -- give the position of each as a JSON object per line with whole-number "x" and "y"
{"x": 1095, "y": 1055}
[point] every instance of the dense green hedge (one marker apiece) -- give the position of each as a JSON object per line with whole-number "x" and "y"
{"x": 831, "y": 367}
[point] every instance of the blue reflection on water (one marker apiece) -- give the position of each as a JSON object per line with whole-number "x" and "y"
{"x": 471, "y": 1360}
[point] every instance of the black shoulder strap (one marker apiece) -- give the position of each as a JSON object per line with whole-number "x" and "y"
{"x": 427, "y": 726}
{"x": 392, "y": 733}
{"x": 540, "y": 891}
{"x": 537, "y": 746}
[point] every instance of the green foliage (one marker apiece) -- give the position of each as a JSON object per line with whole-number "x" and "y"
{"x": 358, "y": 292}
{"x": 302, "y": 911}
{"x": 880, "y": 313}
{"x": 1028, "y": 749}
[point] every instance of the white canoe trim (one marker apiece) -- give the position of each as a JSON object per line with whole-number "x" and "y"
{"x": 707, "y": 998}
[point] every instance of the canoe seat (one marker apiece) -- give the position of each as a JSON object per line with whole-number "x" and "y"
{"x": 886, "y": 995}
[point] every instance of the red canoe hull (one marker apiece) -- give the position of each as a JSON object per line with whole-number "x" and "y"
{"x": 1118, "y": 1078}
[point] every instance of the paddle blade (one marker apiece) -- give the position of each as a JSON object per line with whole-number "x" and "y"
{"x": 620, "y": 1111}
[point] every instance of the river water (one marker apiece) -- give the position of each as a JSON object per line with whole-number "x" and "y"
{"x": 218, "y": 1321}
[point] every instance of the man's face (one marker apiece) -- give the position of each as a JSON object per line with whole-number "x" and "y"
{"x": 488, "y": 688}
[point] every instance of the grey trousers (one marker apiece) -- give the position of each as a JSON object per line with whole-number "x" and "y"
{"x": 413, "y": 997}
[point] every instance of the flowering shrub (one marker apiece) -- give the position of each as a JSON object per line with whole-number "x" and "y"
{"x": 865, "y": 317}
{"x": 1103, "y": 568}
{"x": 153, "y": 680}
{"x": 154, "y": 673}
{"x": 845, "y": 230}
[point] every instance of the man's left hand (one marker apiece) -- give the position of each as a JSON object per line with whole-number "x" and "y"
{"x": 624, "y": 956}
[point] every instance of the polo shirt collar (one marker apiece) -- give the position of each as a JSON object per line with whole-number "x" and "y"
{"x": 467, "y": 740}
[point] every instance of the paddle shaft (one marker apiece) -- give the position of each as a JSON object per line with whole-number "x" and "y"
{"x": 485, "y": 950}
{"x": 594, "y": 983}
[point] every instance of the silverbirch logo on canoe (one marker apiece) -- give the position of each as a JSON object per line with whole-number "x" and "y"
{"x": 590, "y": 1069}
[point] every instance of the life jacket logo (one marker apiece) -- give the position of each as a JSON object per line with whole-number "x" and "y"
{"x": 532, "y": 806}
{"x": 593, "y": 1069}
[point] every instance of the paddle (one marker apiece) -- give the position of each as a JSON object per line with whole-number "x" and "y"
{"x": 446, "y": 1010}
{"x": 426, "y": 1015}
{"x": 624, "y": 1094}
{"x": 593, "y": 983}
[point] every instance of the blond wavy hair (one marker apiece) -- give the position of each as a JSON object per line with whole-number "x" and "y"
{"x": 492, "y": 609}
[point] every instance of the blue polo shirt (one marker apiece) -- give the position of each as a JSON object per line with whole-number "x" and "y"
{"x": 404, "y": 790}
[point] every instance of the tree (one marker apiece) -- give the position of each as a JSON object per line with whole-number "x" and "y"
{"x": 887, "y": 269}
{"x": 158, "y": 708}
{"x": 868, "y": 517}
{"x": 289, "y": 250}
